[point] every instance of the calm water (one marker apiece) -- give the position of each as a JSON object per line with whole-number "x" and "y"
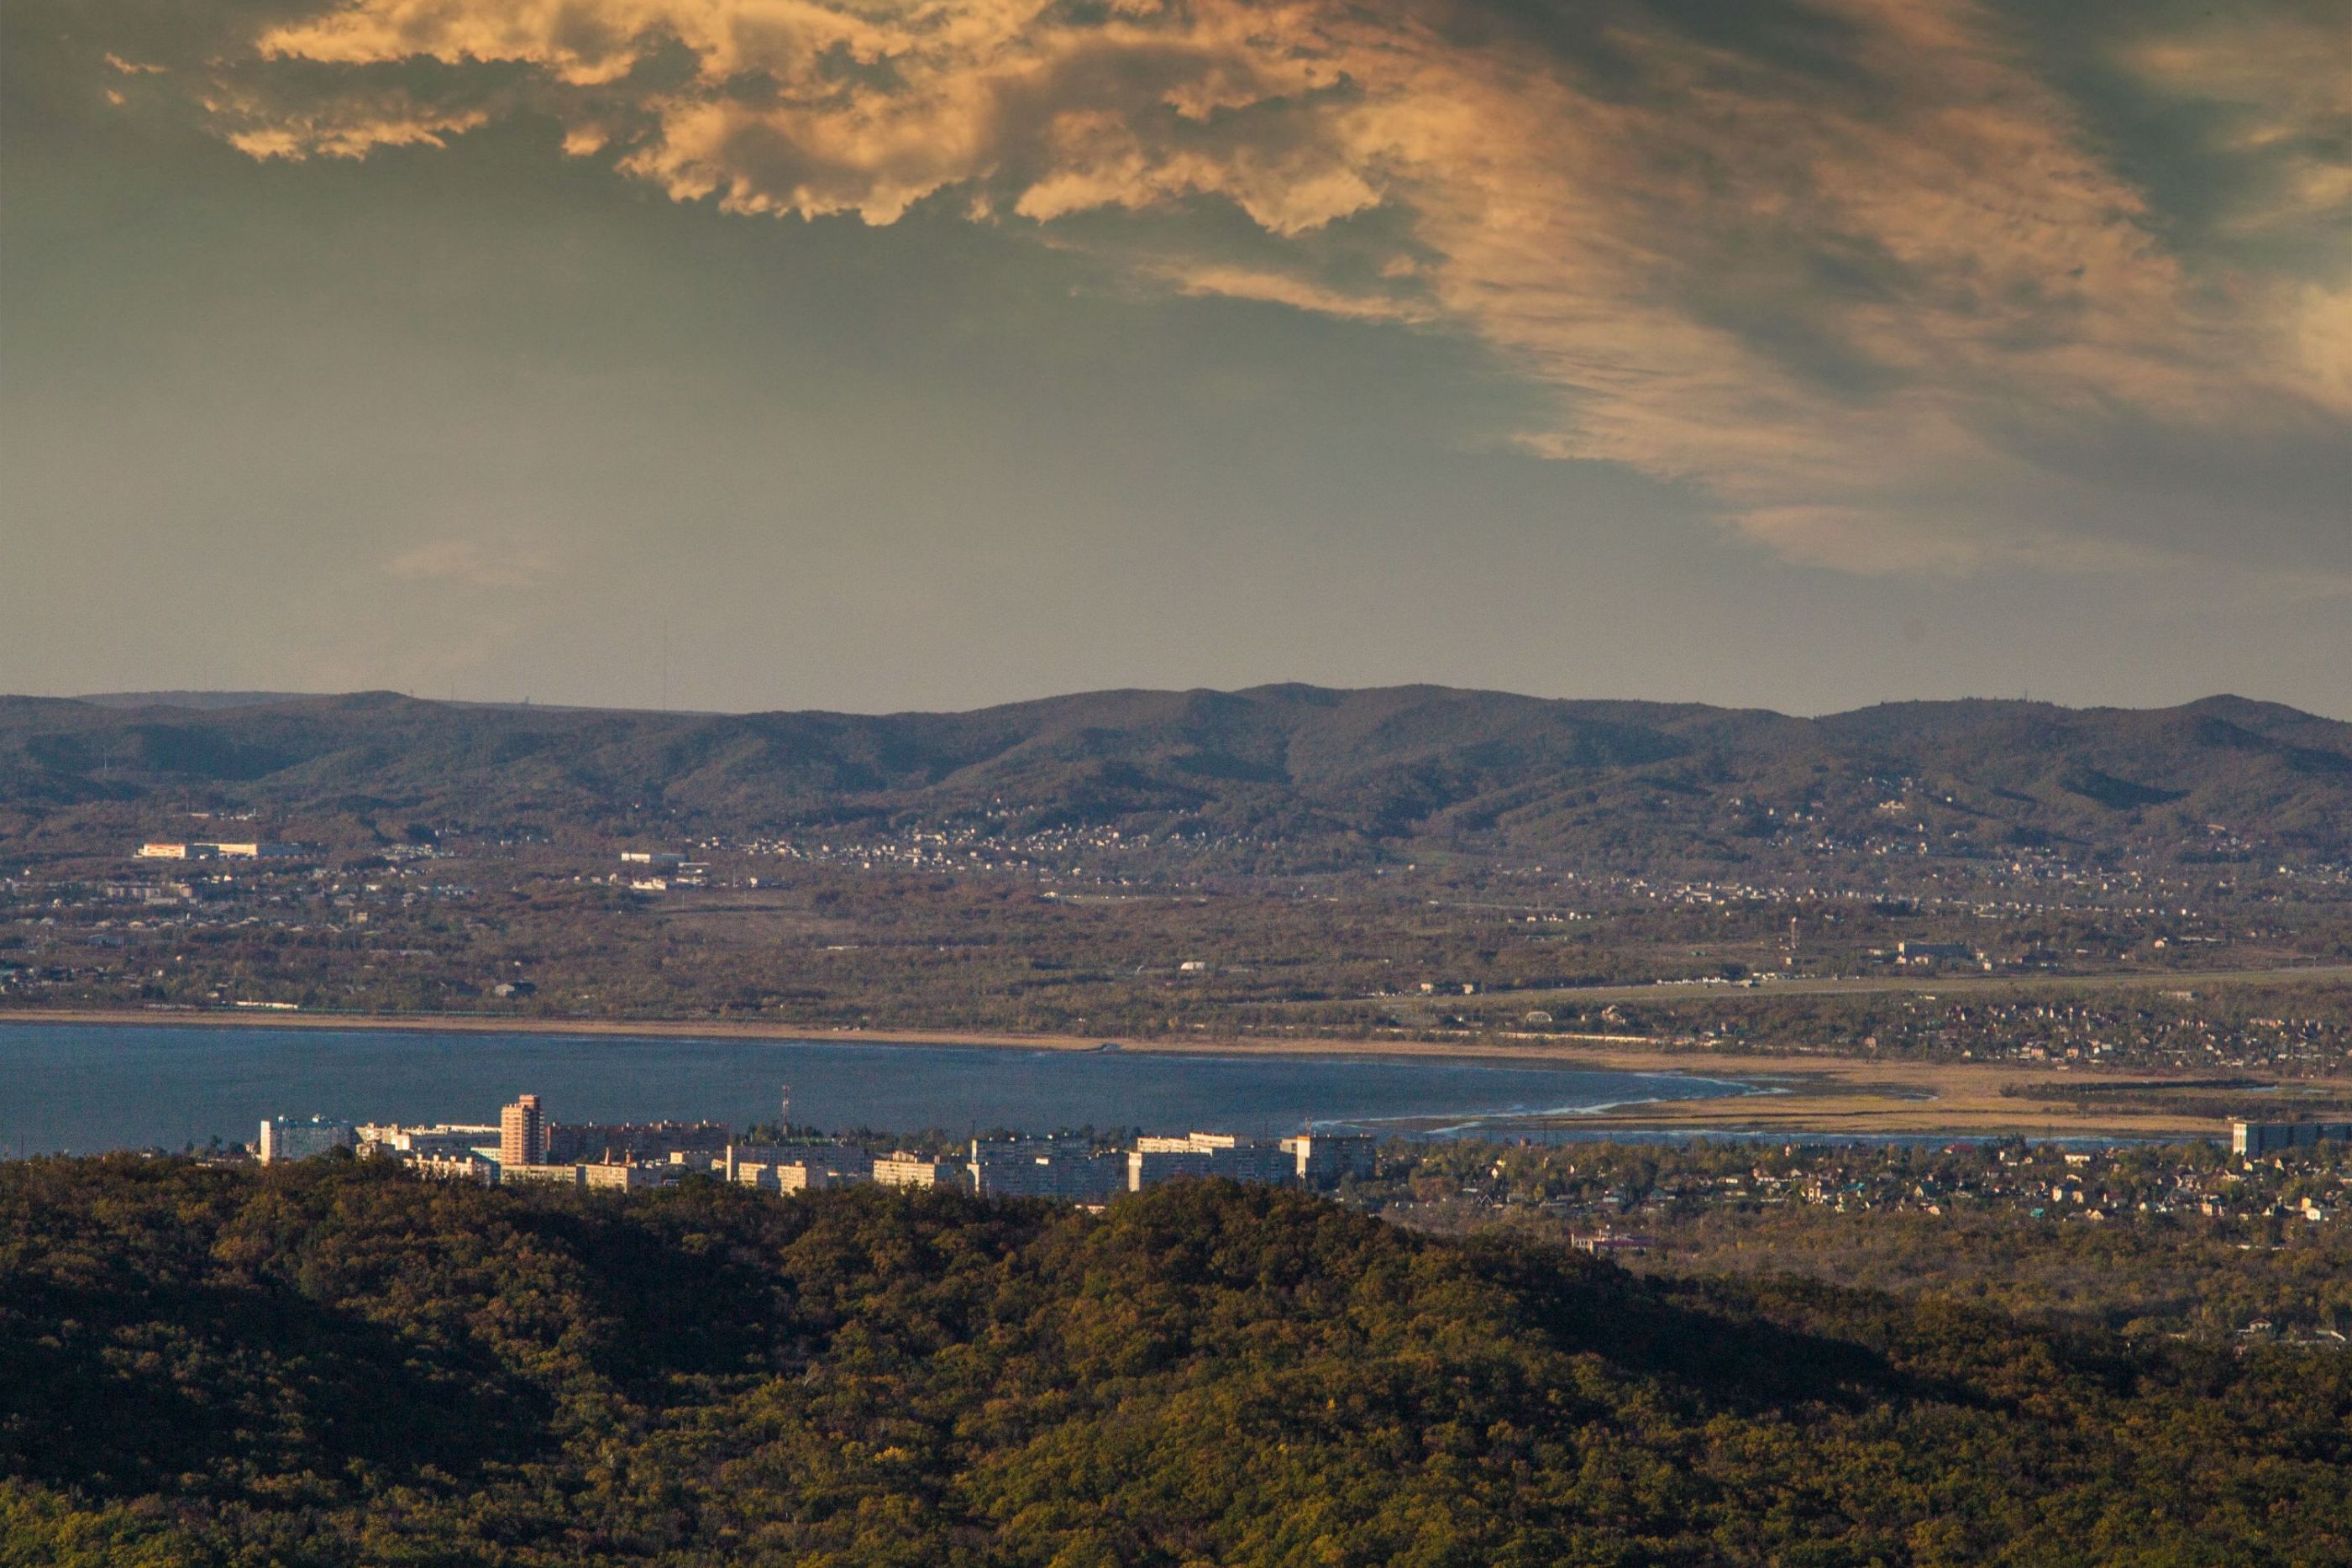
{"x": 81, "y": 1088}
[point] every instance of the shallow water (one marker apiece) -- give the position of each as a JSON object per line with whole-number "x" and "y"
{"x": 81, "y": 1088}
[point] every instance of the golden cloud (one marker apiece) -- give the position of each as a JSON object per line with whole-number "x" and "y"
{"x": 1827, "y": 274}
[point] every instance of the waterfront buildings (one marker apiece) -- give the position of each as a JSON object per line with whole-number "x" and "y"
{"x": 1322, "y": 1159}
{"x": 1064, "y": 1169}
{"x": 630, "y": 1142}
{"x": 283, "y": 1138}
{"x": 441, "y": 1140}
{"x": 1157, "y": 1159}
{"x": 526, "y": 1147}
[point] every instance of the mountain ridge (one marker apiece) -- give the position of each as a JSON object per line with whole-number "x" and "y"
{"x": 1359, "y": 770}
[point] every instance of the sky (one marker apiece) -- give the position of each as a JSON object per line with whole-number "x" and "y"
{"x": 752, "y": 354}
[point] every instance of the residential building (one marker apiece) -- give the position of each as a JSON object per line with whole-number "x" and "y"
{"x": 2270, "y": 1137}
{"x": 538, "y": 1174}
{"x": 1063, "y": 1169}
{"x": 1323, "y": 1158}
{"x": 523, "y": 1133}
{"x": 790, "y": 1175}
{"x": 443, "y": 1140}
{"x": 633, "y": 1142}
{"x": 1157, "y": 1159}
{"x": 627, "y": 1177}
{"x": 164, "y": 850}
{"x": 468, "y": 1166}
{"x": 824, "y": 1163}
{"x": 283, "y": 1138}
{"x": 903, "y": 1169}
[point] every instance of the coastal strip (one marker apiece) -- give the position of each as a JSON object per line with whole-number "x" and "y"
{"x": 1810, "y": 1094}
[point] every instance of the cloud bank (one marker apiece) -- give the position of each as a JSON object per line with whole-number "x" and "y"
{"x": 1858, "y": 272}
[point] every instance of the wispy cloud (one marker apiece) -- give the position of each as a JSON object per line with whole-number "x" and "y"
{"x": 470, "y": 564}
{"x": 1852, "y": 270}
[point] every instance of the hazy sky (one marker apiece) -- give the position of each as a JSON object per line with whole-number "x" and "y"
{"x": 1801, "y": 353}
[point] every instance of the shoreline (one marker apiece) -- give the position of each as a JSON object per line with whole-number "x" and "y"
{"x": 1789, "y": 1095}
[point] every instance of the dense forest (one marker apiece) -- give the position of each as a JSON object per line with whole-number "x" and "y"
{"x": 334, "y": 1363}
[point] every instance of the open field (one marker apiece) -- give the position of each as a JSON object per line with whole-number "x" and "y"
{"x": 1805, "y": 1095}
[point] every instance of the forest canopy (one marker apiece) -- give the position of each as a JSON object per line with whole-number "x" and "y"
{"x": 335, "y": 1363}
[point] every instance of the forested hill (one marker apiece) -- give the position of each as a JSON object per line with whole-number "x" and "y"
{"x": 336, "y": 1364}
{"x": 1342, "y": 773}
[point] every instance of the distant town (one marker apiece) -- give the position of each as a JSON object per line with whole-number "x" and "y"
{"x": 524, "y": 1146}
{"x": 2299, "y": 1171}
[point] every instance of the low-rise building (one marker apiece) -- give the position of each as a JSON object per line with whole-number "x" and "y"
{"x": 468, "y": 1166}
{"x": 542, "y": 1176}
{"x": 628, "y": 1177}
{"x": 442, "y": 1140}
{"x": 790, "y": 1175}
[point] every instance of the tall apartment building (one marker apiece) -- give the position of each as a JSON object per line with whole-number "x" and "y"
{"x": 634, "y": 1143}
{"x": 522, "y": 1133}
{"x": 1324, "y": 1157}
{"x": 1045, "y": 1167}
{"x": 284, "y": 1139}
{"x": 1157, "y": 1159}
{"x": 2270, "y": 1137}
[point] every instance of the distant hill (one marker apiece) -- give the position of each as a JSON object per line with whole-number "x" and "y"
{"x": 1324, "y": 774}
{"x": 201, "y": 701}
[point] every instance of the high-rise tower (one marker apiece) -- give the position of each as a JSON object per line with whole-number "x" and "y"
{"x": 522, "y": 1133}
